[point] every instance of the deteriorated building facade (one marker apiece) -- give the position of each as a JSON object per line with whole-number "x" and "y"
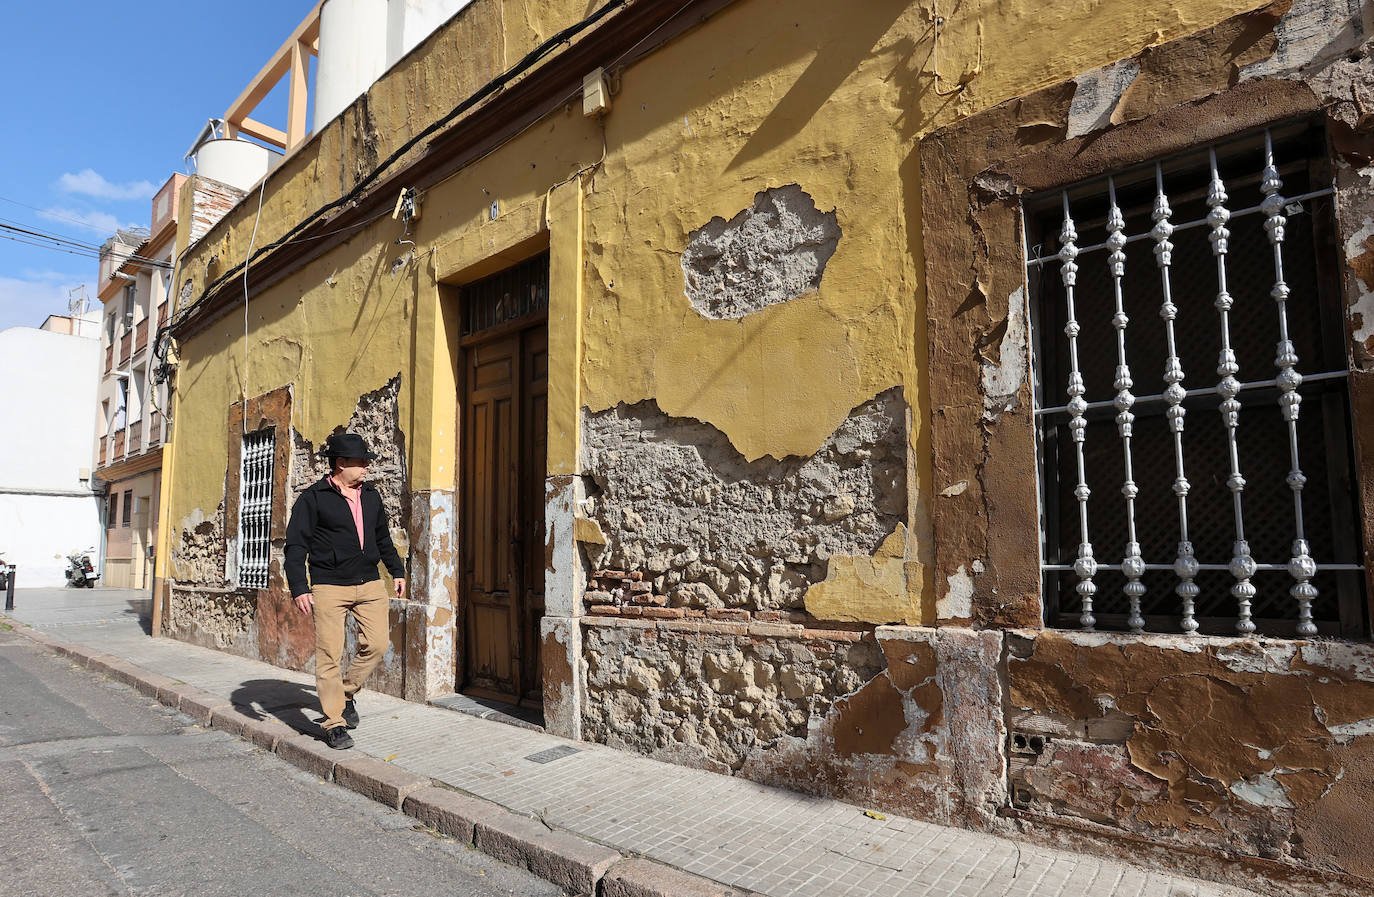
{"x": 967, "y": 414}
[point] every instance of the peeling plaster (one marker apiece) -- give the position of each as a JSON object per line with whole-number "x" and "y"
{"x": 1263, "y": 791}
{"x": 705, "y": 527}
{"x": 1253, "y": 656}
{"x": 957, "y": 602}
{"x": 1360, "y": 246}
{"x": 1002, "y": 379}
{"x": 1228, "y": 746}
{"x": 1096, "y": 95}
{"x": 773, "y": 251}
{"x": 1309, "y": 33}
{"x": 1348, "y": 731}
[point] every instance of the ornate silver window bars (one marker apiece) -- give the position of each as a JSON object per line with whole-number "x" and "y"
{"x": 1226, "y": 395}
{"x": 255, "y": 508}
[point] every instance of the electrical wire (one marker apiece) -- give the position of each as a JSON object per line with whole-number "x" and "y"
{"x": 251, "y": 240}
{"x": 60, "y": 244}
{"x": 486, "y": 90}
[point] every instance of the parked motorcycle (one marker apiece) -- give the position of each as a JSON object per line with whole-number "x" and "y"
{"x": 81, "y": 573}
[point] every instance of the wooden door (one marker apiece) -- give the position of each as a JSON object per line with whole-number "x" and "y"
{"x": 504, "y": 439}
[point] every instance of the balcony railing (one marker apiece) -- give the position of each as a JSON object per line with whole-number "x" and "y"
{"x": 154, "y": 428}
{"x": 118, "y": 445}
{"x": 136, "y": 437}
{"x": 104, "y": 449}
{"x": 141, "y": 335}
{"x": 126, "y": 343}
{"x": 109, "y": 357}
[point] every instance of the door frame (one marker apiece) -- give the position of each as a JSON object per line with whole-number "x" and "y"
{"x": 464, "y": 345}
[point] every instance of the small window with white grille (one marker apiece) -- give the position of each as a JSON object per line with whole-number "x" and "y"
{"x": 1194, "y": 430}
{"x": 255, "y": 508}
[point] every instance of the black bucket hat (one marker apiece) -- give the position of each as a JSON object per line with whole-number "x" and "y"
{"x": 348, "y": 445}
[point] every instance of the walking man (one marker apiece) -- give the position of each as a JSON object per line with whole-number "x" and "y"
{"x": 339, "y": 524}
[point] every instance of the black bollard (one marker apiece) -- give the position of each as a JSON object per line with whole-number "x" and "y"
{"x": 9, "y": 588}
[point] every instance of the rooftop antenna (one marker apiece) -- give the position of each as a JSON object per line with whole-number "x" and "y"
{"x": 76, "y": 304}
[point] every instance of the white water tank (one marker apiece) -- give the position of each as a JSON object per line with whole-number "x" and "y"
{"x": 238, "y": 163}
{"x": 353, "y": 39}
{"x": 411, "y": 21}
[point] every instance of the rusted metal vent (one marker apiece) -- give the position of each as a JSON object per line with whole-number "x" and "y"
{"x": 1188, "y": 329}
{"x": 512, "y": 294}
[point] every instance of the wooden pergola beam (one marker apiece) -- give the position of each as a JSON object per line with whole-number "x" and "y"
{"x": 291, "y": 58}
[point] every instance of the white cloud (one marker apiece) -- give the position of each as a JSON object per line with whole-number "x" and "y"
{"x": 101, "y": 222}
{"x": 27, "y": 302}
{"x": 89, "y": 182}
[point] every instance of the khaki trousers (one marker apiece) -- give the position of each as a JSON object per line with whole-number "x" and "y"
{"x": 370, "y": 604}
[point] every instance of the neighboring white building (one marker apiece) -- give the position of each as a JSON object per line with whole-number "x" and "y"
{"x": 47, "y": 508}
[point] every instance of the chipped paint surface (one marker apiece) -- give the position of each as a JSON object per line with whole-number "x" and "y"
{"x": 868, "y": 589}
{"x": 957, "y": 601}
{"x": 923, "y": 737}
{"x": 1359, "y": 253}
{"x": 1096, "y": 95}
{"x": 1221, "y": 745}
{"x": 564, "y": 677}
{"x": 1002, "y": 377}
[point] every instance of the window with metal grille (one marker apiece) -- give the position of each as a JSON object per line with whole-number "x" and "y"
{"x": 255, "y": 507}
{"x": 128, "y": 517}
{"x": 1194, "y": 427}
{"x": 517, "y": 292}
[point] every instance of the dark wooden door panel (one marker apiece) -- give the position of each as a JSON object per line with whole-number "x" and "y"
{"x": 533, "y": 461}
{"x": 489, "y": 507}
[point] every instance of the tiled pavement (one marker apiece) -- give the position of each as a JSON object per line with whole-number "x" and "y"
{"x": 762, "y": 839}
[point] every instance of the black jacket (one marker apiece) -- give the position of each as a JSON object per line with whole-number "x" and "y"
{"x": 322, "y": 527}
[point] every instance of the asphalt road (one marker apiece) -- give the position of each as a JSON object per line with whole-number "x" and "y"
{"x": 106, "y": 792}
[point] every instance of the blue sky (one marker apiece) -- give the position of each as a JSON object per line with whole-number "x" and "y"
{"x": 101, "y": 102}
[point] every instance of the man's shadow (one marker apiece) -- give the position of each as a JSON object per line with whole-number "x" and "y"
{"x": 285, "y": 701}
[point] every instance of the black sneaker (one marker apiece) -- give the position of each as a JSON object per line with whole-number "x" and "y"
{"x": 338, "y": 738}
{"x": 350, "y": 715}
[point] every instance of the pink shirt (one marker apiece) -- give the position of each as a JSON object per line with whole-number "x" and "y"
{"x": 354, "y": 497}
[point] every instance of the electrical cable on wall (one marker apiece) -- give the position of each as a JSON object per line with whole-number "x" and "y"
{"x": 262, "y": 188}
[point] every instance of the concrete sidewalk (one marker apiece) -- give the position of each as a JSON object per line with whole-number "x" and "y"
{"x": 592, "y": 819}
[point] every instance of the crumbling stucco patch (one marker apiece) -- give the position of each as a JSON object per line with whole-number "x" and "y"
{"x": 775, "y": 250}
{"x": 199, "y": 555}
{"x": 709, "y": 699}
{"x": 708, "y": 529}
{"x": 924, "y": 737}
{"x": 211, "y": 618}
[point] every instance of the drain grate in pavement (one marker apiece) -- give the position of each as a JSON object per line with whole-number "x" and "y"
{"x": 554, "y": 753}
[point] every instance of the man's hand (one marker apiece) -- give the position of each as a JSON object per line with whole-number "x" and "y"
{"x": 400, "y": 585}
{"x": 306, "y": 602}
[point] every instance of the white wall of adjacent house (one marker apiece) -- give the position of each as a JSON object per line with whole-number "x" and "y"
{"x": 361, "y": 39}
{"x": 48, "y": 413}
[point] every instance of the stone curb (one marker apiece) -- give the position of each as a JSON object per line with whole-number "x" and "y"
{"x": 377, "y": 779}
{"x": 576, "y": 864}
{"x": 636, "y": 877}
{"x": 572, "y": 863}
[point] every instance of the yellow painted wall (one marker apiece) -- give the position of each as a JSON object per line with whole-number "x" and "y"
{"x": 831, "y": 96}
